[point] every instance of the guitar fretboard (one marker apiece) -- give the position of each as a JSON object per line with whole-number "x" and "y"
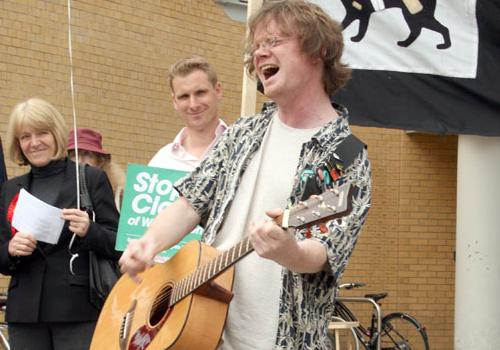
{"x": 332, "y": 203}
{"x": 210, "y": 270}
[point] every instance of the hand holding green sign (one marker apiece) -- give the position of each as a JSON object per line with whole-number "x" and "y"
{"x": 148, "y": 191}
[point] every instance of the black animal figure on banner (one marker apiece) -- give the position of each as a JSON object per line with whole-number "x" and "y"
{"x": 418, "y": 14}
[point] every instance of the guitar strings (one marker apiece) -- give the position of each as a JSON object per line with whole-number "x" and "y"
{"x": 188, "y": 280}
{"x": 192, "y": 281}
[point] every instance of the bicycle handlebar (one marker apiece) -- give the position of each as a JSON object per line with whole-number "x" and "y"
{"x": 351, "y": 285}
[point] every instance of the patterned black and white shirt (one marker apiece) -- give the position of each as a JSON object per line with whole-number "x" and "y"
{"x": 307, "y": 300}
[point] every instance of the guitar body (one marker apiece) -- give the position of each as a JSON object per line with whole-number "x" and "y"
{"x": 182, "y": 304}
{"x": 133, "y": 317}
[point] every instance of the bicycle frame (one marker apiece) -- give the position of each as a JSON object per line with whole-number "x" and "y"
{"x": 377, "y": 314}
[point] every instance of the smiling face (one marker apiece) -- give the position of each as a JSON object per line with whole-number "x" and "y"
{"x": 284, "y": 70}
{"x": 196, "y": 99}
{"x": 38, "y": 146}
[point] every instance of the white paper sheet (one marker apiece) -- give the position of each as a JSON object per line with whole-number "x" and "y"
{"x": 34, "y": 216}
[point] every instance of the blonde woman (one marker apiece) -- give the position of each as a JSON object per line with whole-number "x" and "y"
{"x": 48, "y": 305}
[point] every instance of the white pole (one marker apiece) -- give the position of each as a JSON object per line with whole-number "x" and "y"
{"x": 477, "y": 286}
{"x": 249, "y": 88}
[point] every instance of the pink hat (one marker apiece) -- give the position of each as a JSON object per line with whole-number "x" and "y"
{"x": 88, "y": 140}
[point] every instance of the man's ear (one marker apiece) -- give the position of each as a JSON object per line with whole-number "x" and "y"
{"x": 218, "y": 89}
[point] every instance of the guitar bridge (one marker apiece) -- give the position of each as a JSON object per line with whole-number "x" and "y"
{"x": 126, "y": 324}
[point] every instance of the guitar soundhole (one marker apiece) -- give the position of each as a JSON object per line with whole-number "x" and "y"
{"x": 160, "y": 305}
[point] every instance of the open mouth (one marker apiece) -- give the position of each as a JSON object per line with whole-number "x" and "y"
{"x": 269, "y": 70}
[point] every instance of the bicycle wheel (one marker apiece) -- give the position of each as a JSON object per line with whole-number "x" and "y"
{"x": 347, "y": 337}
{"x": 401, "y": 331}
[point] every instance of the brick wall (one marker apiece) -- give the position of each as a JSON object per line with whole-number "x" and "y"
{"x": 121, "y": 53}
{"x": 407, "y": 246}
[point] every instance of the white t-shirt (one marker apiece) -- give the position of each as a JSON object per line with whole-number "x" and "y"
{"x": 267, "y": 183}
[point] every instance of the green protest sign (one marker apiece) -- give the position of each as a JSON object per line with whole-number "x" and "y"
{"x": 148, "y": 191}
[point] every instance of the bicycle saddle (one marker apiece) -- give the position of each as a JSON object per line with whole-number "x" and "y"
{"x": 377, "y": 296}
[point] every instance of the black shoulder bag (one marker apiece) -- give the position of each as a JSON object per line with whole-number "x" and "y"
{"x": 103, "y": 272}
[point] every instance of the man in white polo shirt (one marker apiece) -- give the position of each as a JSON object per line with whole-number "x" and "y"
{"x": 196, "y": 93}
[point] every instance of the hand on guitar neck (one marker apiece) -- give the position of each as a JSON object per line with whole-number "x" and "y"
{"x": 268, "y": 239}
{"x": 271, "y": 241}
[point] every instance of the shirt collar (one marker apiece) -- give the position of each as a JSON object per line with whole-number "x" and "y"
{"x": 339, "y": 126}
{"x": 179, "y": 138}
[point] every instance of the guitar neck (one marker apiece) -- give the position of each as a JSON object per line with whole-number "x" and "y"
{"x": 210, "y": 270}
{"x": 330, "y": 204}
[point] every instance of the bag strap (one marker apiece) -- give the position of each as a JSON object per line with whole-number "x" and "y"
{"x": 85, "y": 200}
{"x": 349, "y": 149}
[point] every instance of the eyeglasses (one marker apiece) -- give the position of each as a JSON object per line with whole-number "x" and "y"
{"x": 267, "y": 44}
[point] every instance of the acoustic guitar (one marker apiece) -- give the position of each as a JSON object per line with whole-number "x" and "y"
{"x": 182, "y": 303}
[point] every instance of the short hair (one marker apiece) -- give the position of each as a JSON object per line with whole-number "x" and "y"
{"x": 190, "y": 64}
{"x": 42, "y": 116}
{"x": 318, "y": 34}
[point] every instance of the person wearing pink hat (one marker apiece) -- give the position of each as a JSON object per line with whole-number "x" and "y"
{"x": 91, "y": 152}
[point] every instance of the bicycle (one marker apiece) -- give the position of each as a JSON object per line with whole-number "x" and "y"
{"x": 395, "y": 331}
